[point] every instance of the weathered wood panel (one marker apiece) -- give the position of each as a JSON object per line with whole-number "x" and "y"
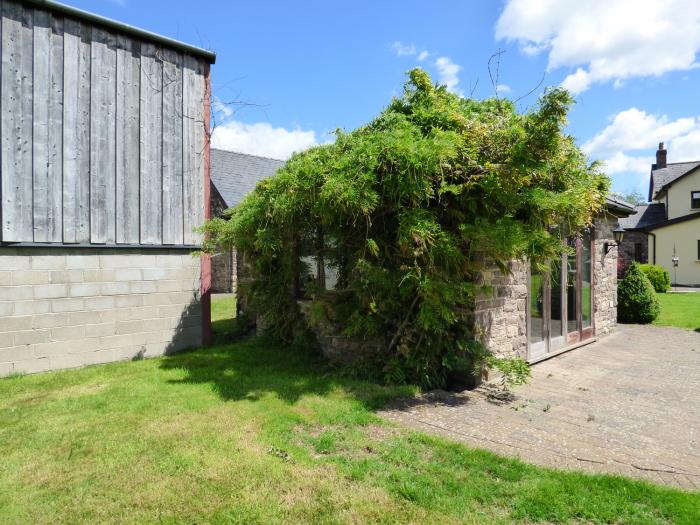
{"x": 48, "y": 127}
{"x": 16, "y": 123}
{"x": 102, "y": 133}
{"x": 128, "y": 129}
{"x": 193, "y": 148}
{"x": 151, "y": 144}
{"x": 76, "y": 132}
{"x": 103, "y": 95}
{"x": 172, "y": 148}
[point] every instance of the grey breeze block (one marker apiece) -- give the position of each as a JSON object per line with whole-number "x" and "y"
{"x": 69, "y": 307}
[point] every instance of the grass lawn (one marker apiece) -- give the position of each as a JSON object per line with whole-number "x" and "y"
{"x": 223, "y": 313}
{"x": 680, "y": 309}
{"x": 252, "y": 433}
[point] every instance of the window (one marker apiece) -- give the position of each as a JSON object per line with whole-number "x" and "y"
{"x": 698, "y": 250}
{"x": 695, "y": 200}
{"x": 638, "y": 252}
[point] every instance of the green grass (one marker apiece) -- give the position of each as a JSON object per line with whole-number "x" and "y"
{"x": 223, "y": 313}
{"x": 681, "y": 310}
{"x": 253, "y": 433}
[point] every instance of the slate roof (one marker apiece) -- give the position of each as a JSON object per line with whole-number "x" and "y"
{"x": 235, "y": 175}
{"x": 616, "y": 204}
{"x": 672, "y": 172}
{"x": 646, "y": 215}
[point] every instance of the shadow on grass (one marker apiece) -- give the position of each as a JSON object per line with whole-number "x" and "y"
{"x": 253, "y": 367}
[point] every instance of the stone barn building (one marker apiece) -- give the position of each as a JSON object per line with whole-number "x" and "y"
{"x": 536, "y": 315}
{"x": 528, "y": 312}
{"x": 104, "y": 178}
{"x": 233, "y": 176}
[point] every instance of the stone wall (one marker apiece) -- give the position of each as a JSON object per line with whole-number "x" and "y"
{"x": 223, "y": 264}
{"x": 68, "y": 307}
{"x": 500, "y": 314}
{"x": 605, "y": 277}
{"x": 500, "y": 317}
{"x": 223, "y": 272}
{"x": 626, "y": 252}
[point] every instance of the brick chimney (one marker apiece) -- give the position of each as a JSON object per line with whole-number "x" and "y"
{"x": 661, "y": 156}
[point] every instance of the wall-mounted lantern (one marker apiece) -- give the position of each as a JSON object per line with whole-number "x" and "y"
{"x": 618, "y": 234}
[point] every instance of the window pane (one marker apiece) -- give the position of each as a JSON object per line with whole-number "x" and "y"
{"x": 556, "y": 324}
{"x": 586, "y": 279}
{"x": 536, "y": 305}
{"x": 695, "y": 199}
{"x": 638, "y": 252}
{"x": 571, "y": 292}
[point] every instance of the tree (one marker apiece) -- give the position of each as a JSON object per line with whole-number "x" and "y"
{"x": 407, "y": 208}
{"x": 633, "y": 197}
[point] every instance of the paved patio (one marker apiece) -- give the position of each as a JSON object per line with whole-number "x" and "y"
{"x": 628, "y": 404}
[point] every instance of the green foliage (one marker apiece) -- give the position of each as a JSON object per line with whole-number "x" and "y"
{"x": 636, "y": 298}
{"x": 407, "y": 208}
{"x": 514, "y": 371}
{"x": 659, "y": 277}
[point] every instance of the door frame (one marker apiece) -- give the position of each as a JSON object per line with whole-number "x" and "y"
{"x": 570, "y": 339}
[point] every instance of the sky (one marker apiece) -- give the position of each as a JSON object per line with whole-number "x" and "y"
{"x": 289, "y": 73}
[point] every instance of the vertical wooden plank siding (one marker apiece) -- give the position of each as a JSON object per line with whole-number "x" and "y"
{"x": 128, "y": 129}
{"x": 76, "y": 132}
{"x": 103, "y": 84}
{"x": 151, "y": 144}
{"x": 48, "y": 127}
{"x": 205, "y": 279}
{"x": 193, "y": 148}
{"x": 172, "y": 148}
{"x": 16, "y": 123}
{"x": 104, "y": 136}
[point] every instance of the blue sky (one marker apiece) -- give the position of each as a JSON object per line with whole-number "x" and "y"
{"x": 307, "y": 68}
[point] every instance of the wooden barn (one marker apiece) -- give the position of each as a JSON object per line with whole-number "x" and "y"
{"x": 104, "y": 178}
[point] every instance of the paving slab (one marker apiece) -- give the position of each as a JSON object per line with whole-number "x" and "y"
{"x": 626, "y": 404}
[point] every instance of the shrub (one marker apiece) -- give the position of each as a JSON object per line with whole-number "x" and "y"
{"x": 636, "y": 298}
{"x": 405, "y": 209}
{"x": 659, "y": 277}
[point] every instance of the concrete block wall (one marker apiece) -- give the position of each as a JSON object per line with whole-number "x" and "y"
{"x": 69, "y": 307}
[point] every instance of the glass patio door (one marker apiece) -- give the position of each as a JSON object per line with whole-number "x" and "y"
{"x": 560, "y": 307}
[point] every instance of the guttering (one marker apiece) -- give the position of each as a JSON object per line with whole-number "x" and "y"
{"x": 654, "y": 252}
{"x": 74, "y": 12}
{"x": 86, "y": 246}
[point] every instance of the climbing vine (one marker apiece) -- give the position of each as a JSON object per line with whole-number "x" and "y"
{"x": 405, "y": 210}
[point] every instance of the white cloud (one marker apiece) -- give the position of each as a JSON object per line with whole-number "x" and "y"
{"x": 221, "y": 109}
{"x": 606, "y": 41}
{"x": 634, "y": 129}
{"x": 620, "y": 162}
{"x": 403, "y": 50}
{"x": 448, "y": 73}
{"x": 503, "y": 89}
{"x": 262, "y": 139}
{"x": 626, "y": 146}
{"x": 686, "y": 147}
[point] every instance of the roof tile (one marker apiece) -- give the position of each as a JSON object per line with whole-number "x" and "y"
{"x": 235, "y": 174}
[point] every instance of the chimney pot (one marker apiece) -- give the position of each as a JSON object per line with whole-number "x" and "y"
{"x": 661, "y": 156}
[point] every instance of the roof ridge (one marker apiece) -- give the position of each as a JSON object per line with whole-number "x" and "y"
{"x": 247, "y": 154}
{"x": 683, "y": 162}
